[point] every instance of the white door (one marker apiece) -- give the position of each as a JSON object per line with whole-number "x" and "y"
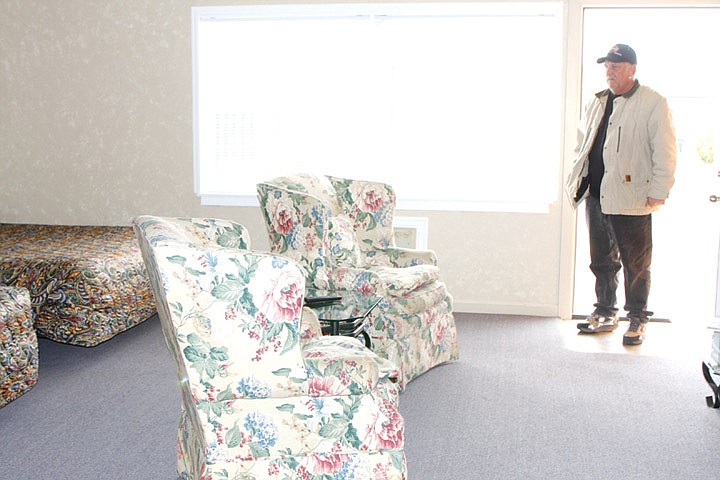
{"x": 678, "y": 53}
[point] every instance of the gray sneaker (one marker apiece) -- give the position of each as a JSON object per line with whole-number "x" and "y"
{"x": 635, "y": 333}
{"x": 598, "y": 324}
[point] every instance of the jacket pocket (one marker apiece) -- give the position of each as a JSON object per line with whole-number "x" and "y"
{"x": 632, "y": 191}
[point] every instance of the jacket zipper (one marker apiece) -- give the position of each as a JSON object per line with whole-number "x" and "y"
{"x": 618, "y": 144}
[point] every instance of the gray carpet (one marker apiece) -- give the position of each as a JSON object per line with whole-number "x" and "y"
{"x": 518, "y": 405}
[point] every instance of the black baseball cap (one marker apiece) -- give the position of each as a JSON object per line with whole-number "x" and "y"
{"x": 619, "y": 53}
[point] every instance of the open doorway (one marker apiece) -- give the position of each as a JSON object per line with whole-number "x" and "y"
{"x": 679, "y": 56}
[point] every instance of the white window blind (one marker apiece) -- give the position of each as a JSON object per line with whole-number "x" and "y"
{"x": 456, "y": 105}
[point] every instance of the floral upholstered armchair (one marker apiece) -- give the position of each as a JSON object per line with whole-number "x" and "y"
{"x": 340, "y": 231}
{"x": 18, "y": 344}
{"x": 259, "y": 401}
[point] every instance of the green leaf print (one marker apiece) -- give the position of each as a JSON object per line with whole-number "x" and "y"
{"x": 193, "y": 272}
{"x": 226, "y": 394}
{"x": 292, "y": 339}
{"x": 219, "y": 354}
{"x": 180, "y": 260}
{"x": 230, "y": 291}
{"x": 352, "y": 436}
{"x": 245, "y": 273}
{"x": 233, "y": 437}
{"x": 195, "y": 340}
{"x": 202, "y": 357}
{"x": 335, "y": 428}
{"x": 193, "y": 355}
{"x": 232, "y": 238}
{"x": 258, "y": 451}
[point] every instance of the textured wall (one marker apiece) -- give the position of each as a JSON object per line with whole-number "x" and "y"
{"x": 96, "y": 128}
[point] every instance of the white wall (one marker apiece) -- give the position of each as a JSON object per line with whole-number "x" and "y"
{"x": 96, "y": 128}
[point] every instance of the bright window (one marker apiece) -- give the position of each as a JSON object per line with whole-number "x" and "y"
{"x": 456, "y": 105}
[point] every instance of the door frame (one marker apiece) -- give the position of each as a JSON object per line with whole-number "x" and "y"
{"x": 573, "y": 108}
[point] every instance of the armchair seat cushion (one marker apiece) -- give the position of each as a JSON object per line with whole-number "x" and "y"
{"x": 277, "y": 427}
{"x": 343, "y": 366}
{"x": 421, "y": 299}
{"x": 399, "y": 282}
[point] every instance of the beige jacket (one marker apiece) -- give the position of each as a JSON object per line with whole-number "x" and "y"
{"x": 640, "y": 151}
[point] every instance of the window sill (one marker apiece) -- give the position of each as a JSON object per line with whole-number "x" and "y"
{"x": 411, "y": 205}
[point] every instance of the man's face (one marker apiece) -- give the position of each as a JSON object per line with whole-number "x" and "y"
{"x": 620, "y": 76}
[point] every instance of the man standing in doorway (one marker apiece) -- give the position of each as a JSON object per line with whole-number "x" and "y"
{"x": 624, "y": 169}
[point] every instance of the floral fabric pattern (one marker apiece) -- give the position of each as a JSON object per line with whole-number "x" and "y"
{"x": 310, "y": 219}
{"x": 343, "y": 246}
{"x": 18, "y": 345}
{"x": 263, "y": 396}
{"x": 86, "y": 283}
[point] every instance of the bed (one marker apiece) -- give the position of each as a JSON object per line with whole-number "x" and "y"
{"x": 86, "y": 283}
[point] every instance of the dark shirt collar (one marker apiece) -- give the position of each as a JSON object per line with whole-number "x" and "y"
{"x": 627, "y": 94}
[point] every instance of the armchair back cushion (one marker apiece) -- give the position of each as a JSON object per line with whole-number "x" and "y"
{"x": 370, "y": 206}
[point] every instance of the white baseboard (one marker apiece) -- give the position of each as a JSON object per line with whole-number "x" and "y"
{"x": 504, "y": 309}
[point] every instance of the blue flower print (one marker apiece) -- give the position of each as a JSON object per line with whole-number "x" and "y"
{"x": 265, "y": 433}
{"x": 251, "y": 387}
{"x": 279, "y": 262}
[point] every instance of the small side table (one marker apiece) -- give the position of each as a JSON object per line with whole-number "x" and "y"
{"x": 343, "y": 313}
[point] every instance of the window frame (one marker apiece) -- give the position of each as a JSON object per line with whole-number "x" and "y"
{"x": 328, "y": 10}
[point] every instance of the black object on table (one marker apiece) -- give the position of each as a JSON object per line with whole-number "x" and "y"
{"x": 343, "y": 314}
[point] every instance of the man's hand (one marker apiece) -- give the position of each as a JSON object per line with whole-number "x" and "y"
{"x": 654, "y": 202}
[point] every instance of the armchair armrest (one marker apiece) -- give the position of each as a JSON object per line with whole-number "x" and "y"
{"x": 406, "y": 257}
{"x": 309, "y": 325}
{"x": 343, "y": 366}
{"x": 357, "y": 279}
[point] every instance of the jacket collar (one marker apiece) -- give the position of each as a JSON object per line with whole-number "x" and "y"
{"x": 627, "y": 94}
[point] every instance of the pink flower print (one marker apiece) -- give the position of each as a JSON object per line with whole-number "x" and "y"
{"x": 372, "y": 201}
{"x": 303, "y": 473}
{"x": 344, "y": 377}
{"x": 438, "y": 333}
{"x": 283, "y": 300}
{"x": 262, "y": 320}
{"x": 431, "y": 317}
{"x": 309, "y": 242}
{"x": 380, "y": 472}
{"x": 365, "y": 289}
{"x": 320, "y": 464}
{"x": 283, "y": 218}
{"x": 314, "y": 354}
{"x": 366, "y": 197}
{"x": 259, "y": 353}
{"x": 231, "y": 313}
{"x": 386, "y": 430}
{"x": 324, "y": 386}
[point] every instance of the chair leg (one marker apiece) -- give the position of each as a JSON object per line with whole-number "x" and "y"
{"x": 713, "y": 401}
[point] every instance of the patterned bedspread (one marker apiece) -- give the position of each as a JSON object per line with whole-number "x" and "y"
{"x": 86, "y": 283}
